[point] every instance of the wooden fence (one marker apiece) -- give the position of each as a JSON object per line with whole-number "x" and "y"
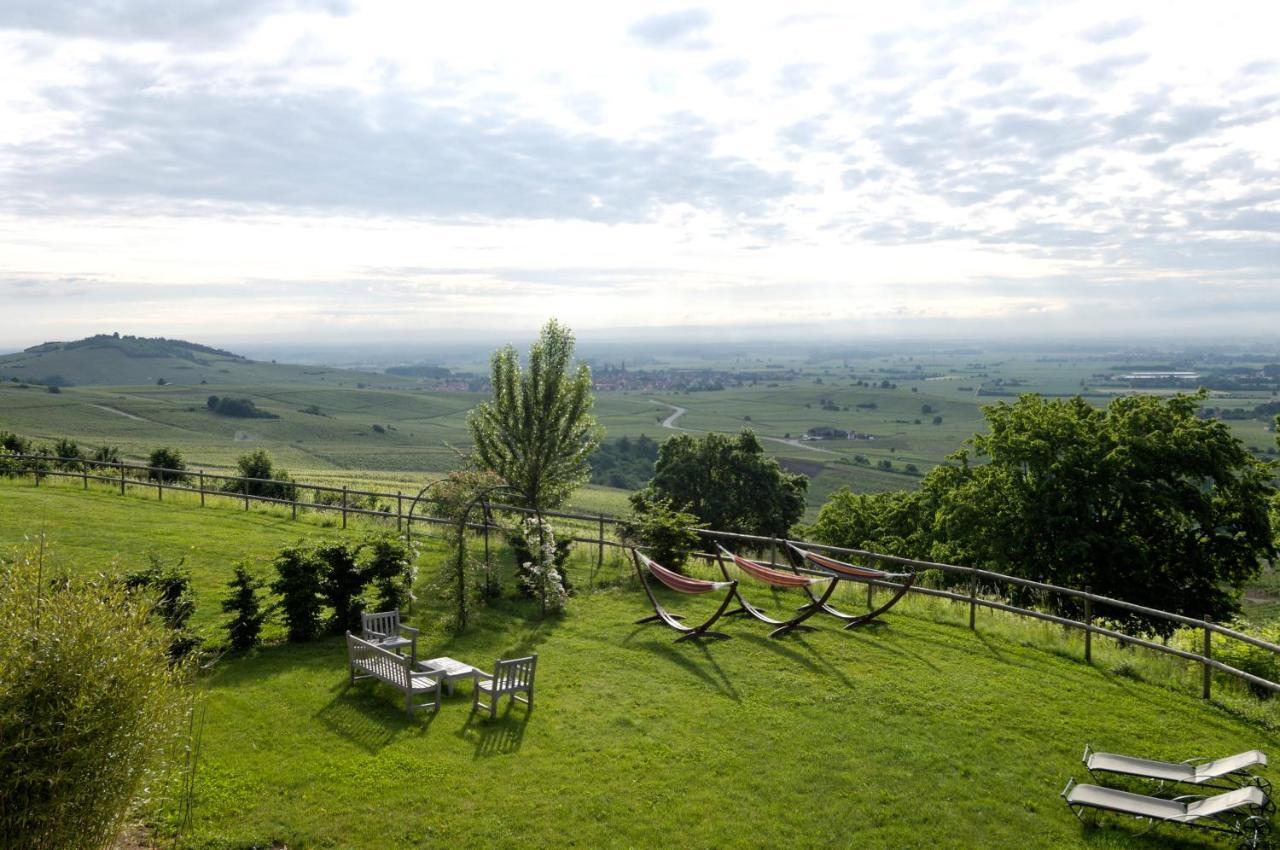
{"x": 340, "y": 500}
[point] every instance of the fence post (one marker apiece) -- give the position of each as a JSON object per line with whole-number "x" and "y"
{"x": 400, "y": 513}
{"x": 293, "y": 503}
{"x": 84, "y": 473}
{"x": 1208, "y": 653}
{"x": 1088, "y": 626}
{"x": 160, "y": 487}
{"x": 870, "y": 588}
{"x": 600, "y": 551}
{"x": 773, "y": 551}
{"x": 121, "y": 478}
{"x": 344, "y": 505}
{"x": 245, "y": 484}
{"x": 202, "y": 488}
{"x": 973, "y": 599}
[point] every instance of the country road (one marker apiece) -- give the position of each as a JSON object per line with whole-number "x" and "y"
{"x": 677, "y": 412}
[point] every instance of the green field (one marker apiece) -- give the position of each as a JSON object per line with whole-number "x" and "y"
{"x": 916, "y": 734}
{"x": 343, "y": 426}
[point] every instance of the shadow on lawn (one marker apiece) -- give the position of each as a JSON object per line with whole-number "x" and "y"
{"x": 500, "y": 736}
{"x": 715, "y": 676}
{"x": 362, "y": 716}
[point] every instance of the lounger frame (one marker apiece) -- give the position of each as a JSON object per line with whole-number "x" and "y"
{"x": 852, "y": 621}
{"x": 1250, "y": 824}
{"x": 1225, "y": 782}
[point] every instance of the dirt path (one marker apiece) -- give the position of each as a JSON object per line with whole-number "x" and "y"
{"x": 119, "y": 412}
{"x": 800, "y": 445}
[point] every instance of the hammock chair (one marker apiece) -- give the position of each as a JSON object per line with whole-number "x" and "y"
{"x": 680, "y": 584}
{"x": 775, "y": 579}
{"x": 850, "y": 572}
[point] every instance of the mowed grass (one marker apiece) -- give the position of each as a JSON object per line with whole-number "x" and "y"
{"x": 918, "y": 733}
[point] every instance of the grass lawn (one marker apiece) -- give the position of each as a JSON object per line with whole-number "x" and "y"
{"x": 917, "y": 734}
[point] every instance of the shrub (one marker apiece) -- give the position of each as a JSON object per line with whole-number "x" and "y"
{"x": 91, "y": 711}
{"x": 175, "y": 603}
{"x": 298, "y": 578}
{"x": 106, "y": 454}
{"x": 271, "y": 483}
{"x": 1246, "y": 657}
{"x": 343, "y": 580}
{"x": 68, "y": 453}
{"x": 244, "y": 630}
{"x": 167, "y": 466}
{"x": 668, "y": 533}
{"x": 391, "y": 568}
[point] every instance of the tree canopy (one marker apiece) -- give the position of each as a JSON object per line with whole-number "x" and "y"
{"x": 1142, "y": 501}
{"x": 727, "y": 482}
{"x": 538, "y": 431}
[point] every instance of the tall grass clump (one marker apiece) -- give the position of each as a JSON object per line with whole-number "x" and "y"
{"x": 92, "y": 707}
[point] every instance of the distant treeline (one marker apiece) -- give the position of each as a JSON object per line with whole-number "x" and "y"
{"x": 1265, "y": 411}
{"x": 422, "y": 370}
{"x": 241, "y": 408}
{"x": 624, "y": 463}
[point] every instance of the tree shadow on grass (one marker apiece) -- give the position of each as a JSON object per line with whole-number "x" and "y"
{"x": 502, "y": 735}
{"x": 327, "y": 654}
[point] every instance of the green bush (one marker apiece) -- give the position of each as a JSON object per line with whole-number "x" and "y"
{"x": 298, "y": 582}
{"x": 1243, "y": 656}
{"x": 667, "y": 533}
{"x": 391, "y": 568}
{"x": 244, "y": 630}
{"x": 271, "y": 483}
{"x": 167, "y": 466}
{"x": 91, "y": 710}
{"x": 343, "y": 580}
{"x": 175, "y": 602}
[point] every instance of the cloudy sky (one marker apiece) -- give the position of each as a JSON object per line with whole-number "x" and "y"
{"x": 282, "y": 169}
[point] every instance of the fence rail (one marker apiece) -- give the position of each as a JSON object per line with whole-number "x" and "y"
{"x": 127, "y": 475}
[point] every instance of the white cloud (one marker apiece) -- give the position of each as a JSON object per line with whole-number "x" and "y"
{"x": 722, "y": 163}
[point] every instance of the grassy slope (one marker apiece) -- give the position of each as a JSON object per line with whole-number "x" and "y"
{"x": 917, "y": 734}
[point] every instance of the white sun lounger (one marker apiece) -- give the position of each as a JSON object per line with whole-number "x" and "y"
{"x": 1230, "y": 772}
{"x": 1242, "y": 812}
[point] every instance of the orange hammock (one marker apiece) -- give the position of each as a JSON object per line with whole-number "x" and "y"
{"x": 681, "y": 584}
{"x": 778, "y": 579}
{"x": 851, "y": 572}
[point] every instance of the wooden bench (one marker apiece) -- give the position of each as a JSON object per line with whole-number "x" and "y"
{"x": 369, "y": 661}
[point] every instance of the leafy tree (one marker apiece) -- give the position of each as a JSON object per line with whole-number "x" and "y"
{"x": 167, "y": 465}
{"x": 391, "y": 569}
{"x": 245, "y": 602}
{"x": 272, "y": 483}
{"x": 538, "y": 431}
{"x": 727, "y": 482}
{"x": 1143, "y": 501}
{"x": 91, "y": 710}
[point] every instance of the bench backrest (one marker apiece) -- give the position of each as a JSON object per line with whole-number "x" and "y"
{"x": 381, "y": 622}
{"x": 514, "y": 674}
{"x": 375, "y": 660}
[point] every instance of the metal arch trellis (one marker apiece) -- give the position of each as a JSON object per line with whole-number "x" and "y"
{"x": 480, "y": 499}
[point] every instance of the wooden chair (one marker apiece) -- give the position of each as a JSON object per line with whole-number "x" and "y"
{"x": 510, "y": 676}
{"x": 384, "y": 629}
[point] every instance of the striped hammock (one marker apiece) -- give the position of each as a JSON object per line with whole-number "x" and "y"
{"x": 840, "y": 568}
{"x": 677, "y": 582}
{"x": 771, "y": 576}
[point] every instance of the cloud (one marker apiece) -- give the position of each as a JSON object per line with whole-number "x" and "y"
{"x": 389, "y": 155}
{"x": 685, "y": 29}
{"x": 1111, "y": 30}
{"x": 1104, "y": 72}
{"x": 151, "y": 20}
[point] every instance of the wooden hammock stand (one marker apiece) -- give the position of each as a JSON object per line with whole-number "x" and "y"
{"x": 680, "y": 584}
{"x": 850, "y": 572}
{"x": 776, "y": 579}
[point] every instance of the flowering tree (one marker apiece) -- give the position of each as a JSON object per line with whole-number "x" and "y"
{"x": 541, "y": 576}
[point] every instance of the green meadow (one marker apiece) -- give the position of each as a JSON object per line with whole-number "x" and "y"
{"x": 918, "y": 733}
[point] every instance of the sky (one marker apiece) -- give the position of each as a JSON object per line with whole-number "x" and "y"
{"x": 308, "y": 170}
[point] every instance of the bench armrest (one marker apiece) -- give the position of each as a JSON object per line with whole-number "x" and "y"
{"x": 411, "y": 630}
{"x": 480, "y": 674}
